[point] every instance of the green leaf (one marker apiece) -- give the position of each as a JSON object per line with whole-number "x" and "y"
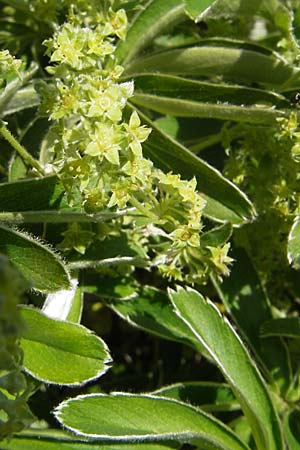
{"x": 225, "y": 202}
{"x": 181, "y": 97}
{"x": 217, "y": 236}
{"x": 114, "y": 251}
{"x": 151, "y": 311}
{"x": 60, "y": 352}
{"x": 234, "y": 64}
{"x": 128, "y": 417}
{"x": 25, "y": 98}
{"x": 246, "y": 301}
{"x": 208, "y": 395}
{"x": 32, "y": 195}
{"x": 286, "y": 327}
{"x": 65, "y": 304}
{"x": 294, "y": 244}
{"x": 152, "y": 19}
{"x": 58, "y": 440}
{"x": 116, "y": 288}
{"x": 39, "y": 265}
{"x": 7, "y": 95}
{"x": 179, "y": 88}
{"x": 292, "y": 429}
{"x": 195, "y": 8}
{"x": 228, "y": 352}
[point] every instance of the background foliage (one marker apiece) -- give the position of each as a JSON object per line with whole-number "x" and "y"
{"x": 149, "y": 224}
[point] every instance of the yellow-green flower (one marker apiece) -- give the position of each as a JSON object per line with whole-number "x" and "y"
{"x": 105, "y": 143}
{"x": 136, "y": 134}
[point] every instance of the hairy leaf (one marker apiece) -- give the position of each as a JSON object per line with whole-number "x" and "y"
{"x": 245, "y": 299}
{"x": 235, "y": 64}
{"x": 60, "y": 352}
{"x": 58, "y": 440}
{"x": 39, "y": 265}
{"x": 232, "y": 358}
{"x": 127, "y": 417}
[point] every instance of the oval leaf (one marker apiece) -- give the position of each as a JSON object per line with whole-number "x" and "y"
{"x": 232, "y": 358}
{"x": 128, "y": 417}
{"x": 61, "y": 352}
{"x": 38, "y": 264}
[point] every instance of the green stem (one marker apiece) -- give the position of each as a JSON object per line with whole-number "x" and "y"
{"x": 19, "y": 148}
{"x": 59, "y": 216}
{"x": 142, "y": 209}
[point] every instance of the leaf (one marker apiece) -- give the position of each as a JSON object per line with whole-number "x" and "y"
{"x": 294, "y": 244}
{"x": 225, "y": 202}
{"x": 179, "y": 88}
{"x": 127, "y": 417}
{"x": 32, "y": 195}
{"x": 228, "y": 352}
{"x": 65, "y": 304}
{"x": 25, "y": 98}
{"x": 7, "y": 95}
{"x": 285, "y": 327}
{"x": 217, "y": 236}
{"x": 116, "y": 288}
{"x": 58, "y": 440}
{"x": 59, "y": 352}
{"x": 292, "y": 429}
{"x": 234, "y": 64}
{"x": 181, "y": 97}
{"x": 151, "y": 311}
{"x": 39, "y": 265}
{"x": 196, "y": 8}
{"x": 152, "y": 19}
{"x": 246, "y": 301}
{"x": 207, "y": 395}
{"x": 112, "y": 251}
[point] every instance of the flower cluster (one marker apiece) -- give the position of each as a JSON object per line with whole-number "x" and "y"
{"x": 8, "y": 65}
{"x": 95, "y": 147}
{"x": 13, "y": 386}
{"x": 265, "y": 164}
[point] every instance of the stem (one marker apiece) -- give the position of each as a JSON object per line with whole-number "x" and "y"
{"x": 59, "y": 216}
{"x": 142, "y": 209}
{"x": 19, "y": 148}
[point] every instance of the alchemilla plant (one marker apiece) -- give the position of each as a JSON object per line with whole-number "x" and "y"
{"x": 149, "y": 175}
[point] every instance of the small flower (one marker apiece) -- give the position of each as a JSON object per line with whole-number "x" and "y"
{"x": 76, "y": 237}
{"x": 105, "y": 143}
{"x": 138, "y": 169}
{"x": 136, "y": 134}
{"x": 120, "y": 194}
{"x": 220, "y": 259}
{"x": 183, "y": 236}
